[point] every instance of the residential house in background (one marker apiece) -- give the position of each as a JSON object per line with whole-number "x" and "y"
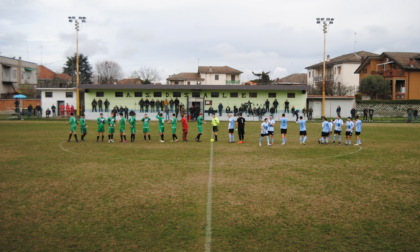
{"x": 207, "y": 75}
{"x": 17, "y": 75}
{"x": 50, "y": 79}
{"x": 300, "y": 78}
{"x": 340, "y": 72}
{"x": 402, "y": 69}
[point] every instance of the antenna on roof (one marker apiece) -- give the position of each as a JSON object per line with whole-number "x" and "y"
{"x": 355, "y": 42}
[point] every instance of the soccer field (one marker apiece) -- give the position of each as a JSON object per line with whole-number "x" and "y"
{"x": 203, "y": 196}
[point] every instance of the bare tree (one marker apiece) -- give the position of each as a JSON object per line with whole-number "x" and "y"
{"x": 108, "y": 72}
{"x": 147, "y": 75}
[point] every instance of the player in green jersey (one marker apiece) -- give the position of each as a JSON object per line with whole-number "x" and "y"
{"x": 161, "y": 126}
{"x": 200, "y": 127}
{"x": 73, "y": 124}
{"x": 101, "y": 126}
{"x": 83, "y": 127}
{"x": 146, "y": 127}
{"x": 111, "y": 128}
{"x": 122, "y": 128}
{"x": 132, "y": 122}
{"x": 173, "y": 122}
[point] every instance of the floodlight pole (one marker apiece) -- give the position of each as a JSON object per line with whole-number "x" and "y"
{"x": 325, "y": 23}
{"x": 77, "y": 27}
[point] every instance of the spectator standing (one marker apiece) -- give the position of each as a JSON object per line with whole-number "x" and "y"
{"x": 100, "y": 105}
{"x": 310, "y": 111}
{"x": 338, "y": 110}
{"x": 106, "y": 104}
{"x": 30, "y": 108}
{"x": 53, "y": 108}
{"x": 416, "y": 114}
{"x": 365, "y": 114}
{"x": 353, "y": 113}
{"x": 17, "y": 103}
{"x": 94, "y": 104}
{"x": 275, "y": 104}
{"x": 371, "y": 114}
{"x": 286, "y": 106}
{"x": 220, "y": 109}
{"x": 409, "y": 114}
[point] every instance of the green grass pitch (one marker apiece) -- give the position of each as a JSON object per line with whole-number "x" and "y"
{"x": 59, "y": 196}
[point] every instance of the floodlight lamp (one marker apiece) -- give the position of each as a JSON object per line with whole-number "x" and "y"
{"x": 73, "y": 17}
{"x": 331, "y": 22}
{"x": 322, "y": 19}
{"x": 332, "y": 19}
{"x": 328, "y": 19}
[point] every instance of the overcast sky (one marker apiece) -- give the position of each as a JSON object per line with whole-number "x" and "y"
{"x": 176, "y": 36}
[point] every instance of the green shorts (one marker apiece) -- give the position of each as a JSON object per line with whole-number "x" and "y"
{"x": 101, "y": 128}
{"x": 133, "y": 130}
{"x": 173, "y": 130}
{"x": 111, "y": 130}
{"x": 161, "y": 129}
{"x": 200, "y": 129}
{"x": 73, "y": 128}
{"x": 83, "y": 130}
{"x": 146, "y": 130}
{"x": 122, "y": 129}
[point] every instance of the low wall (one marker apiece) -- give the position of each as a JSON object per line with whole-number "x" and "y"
{"x": 8, "y": 105}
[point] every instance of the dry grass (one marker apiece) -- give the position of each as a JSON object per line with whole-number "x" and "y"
{"x": 152, "y": 196}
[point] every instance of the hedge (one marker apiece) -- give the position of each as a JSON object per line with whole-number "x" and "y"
{"x": 367, "y": 102}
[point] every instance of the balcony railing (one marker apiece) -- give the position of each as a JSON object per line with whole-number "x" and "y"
{"x": 232, "y": 82}
{"x": 390, "y": 73}
{"x": 327, "y": 78}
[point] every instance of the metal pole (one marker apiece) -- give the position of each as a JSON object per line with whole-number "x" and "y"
{"x": 77, "y": 70}
{"x": 324, "y": 71}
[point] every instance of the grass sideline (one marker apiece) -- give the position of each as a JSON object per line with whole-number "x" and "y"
{"x": 152, "y": 196}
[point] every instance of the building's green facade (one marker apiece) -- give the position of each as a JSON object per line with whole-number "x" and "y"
{"x": 204, "y": 96}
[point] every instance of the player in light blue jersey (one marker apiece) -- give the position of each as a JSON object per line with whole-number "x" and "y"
{"x": 338, "y": 123}
{"x": 231, "y": 128}
{"x": 302, "y": 130}
{"x": 264, "y": 132}
{"x": 325, "y": 131}
{"x": 358, "y": 126}
{"x": 271, "y": 124}
{"x": 349, "y": 130}
{"x": 283, "y": 128}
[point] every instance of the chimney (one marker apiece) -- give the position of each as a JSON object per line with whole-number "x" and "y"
{"x": 411, "y": 62}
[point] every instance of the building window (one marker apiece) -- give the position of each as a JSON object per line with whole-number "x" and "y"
{"x": 138, "y": 94}
{"x": 216, "y": 77}
{"x": 291, "y": 95}
{"x": 339, "y": 69}
{"x": 176, "y": 82}
{"x": 365, "y": 70}
{"x": 69, "y": 94}
{"x": 196, "y": 94}
{"x": 234, "y": 95}
{"x": 188, "y": 83}
{"x": 119, "y": 94}
{"x": 232, "y": 77}
{"x": 253, "y": 95}
{"x": 176, "y": 94}
{"x": 309, "y": 73}
{"x": 99, "y": 94}
{"x": 214, "y": 94}
{"x": 157, "y": 94}
{"x": 48, "y": 94}
{"x": 272, "y": 95}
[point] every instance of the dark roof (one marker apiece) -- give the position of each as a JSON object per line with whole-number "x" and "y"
{"x": 300, "y": 78}
{"x": 402, "y": 59}
{"x": 355, "y": 57}
{"x": 332, "y": 97}
{"x": 218, "y": 69}
{"x": 185, "y": 76}
{"x": 194, "y": 87}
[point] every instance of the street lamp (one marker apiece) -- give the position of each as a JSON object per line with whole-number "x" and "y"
{"x": 77, "y": 22}
{"x": 325, "y": 23}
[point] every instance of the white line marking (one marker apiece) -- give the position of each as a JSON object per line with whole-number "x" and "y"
{"x": 209, "y": 202}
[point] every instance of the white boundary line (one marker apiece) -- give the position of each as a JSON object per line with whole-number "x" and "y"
{"x": 209, "y": 202}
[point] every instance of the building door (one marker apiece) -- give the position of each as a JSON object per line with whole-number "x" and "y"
{"x": 60, "y": 108}
{"x": 198, "y": 104}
